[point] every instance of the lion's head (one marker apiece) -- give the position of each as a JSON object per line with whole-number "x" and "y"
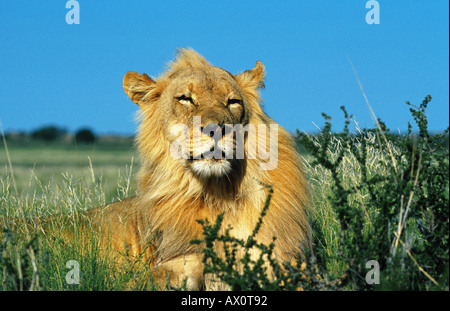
{"x": 198, "y": 107}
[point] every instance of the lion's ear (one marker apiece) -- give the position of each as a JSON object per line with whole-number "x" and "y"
{"x": 252, "y": 79}
{"x": 136, "y": 86}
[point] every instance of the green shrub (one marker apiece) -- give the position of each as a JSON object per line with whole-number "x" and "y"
{"x": 389, "y": 193}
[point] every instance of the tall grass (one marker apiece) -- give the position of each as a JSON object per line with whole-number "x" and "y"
{"x": 34, "y": 253}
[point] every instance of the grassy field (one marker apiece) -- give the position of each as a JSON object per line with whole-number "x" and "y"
{"x": 43, "y": 167}
{"x": 351, "y": 226}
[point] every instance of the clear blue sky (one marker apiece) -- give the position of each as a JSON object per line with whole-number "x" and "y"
{"x": 71, "y": 75}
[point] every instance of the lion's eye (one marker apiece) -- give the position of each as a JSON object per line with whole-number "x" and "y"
{"x": 183, "y": 99}
{"x": 234, "y": 101}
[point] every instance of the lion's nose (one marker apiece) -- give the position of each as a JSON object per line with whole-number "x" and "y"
{"x": 214, "y": 130}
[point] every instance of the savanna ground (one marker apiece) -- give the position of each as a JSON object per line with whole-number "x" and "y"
{"x": 376, "y": 196}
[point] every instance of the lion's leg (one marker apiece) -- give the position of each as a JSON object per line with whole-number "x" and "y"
{"x": 184, "y": 270}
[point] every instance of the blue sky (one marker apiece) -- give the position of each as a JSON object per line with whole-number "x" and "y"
{"x": 71, "y": 75}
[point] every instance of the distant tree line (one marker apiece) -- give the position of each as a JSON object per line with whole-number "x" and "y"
{"x": 54, "y": 134}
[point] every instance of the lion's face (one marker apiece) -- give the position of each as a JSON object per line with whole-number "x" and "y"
{"x": 199, "y": 106}
{"x": 210, "y": 103}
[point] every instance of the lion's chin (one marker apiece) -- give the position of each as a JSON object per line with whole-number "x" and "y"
{"x": 207, "y": 168}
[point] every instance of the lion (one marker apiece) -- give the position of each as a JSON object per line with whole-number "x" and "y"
{"x": 182, "y": 180}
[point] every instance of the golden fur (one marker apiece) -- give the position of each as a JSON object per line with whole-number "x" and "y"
{"x": 173, "y": 194}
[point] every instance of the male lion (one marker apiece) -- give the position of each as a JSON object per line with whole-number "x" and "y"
{"x": 175, "y": 192}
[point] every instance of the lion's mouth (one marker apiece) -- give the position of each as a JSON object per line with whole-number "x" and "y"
{"x": 212, "y": 155}
{"x": 207, "y": 168}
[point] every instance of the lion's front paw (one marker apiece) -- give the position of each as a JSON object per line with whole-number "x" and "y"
{"x": 184, "y": 272}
